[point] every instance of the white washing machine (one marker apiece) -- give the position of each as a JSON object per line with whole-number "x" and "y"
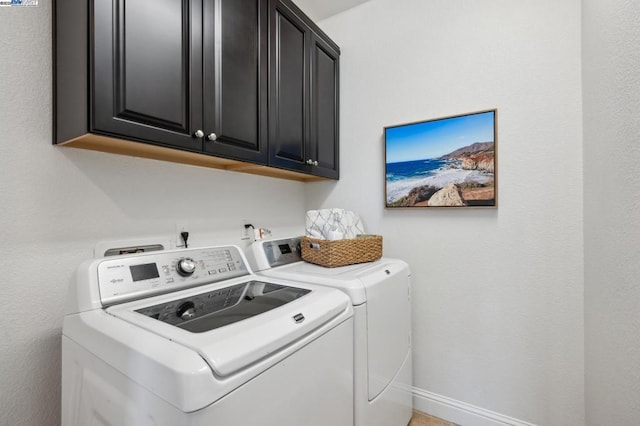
{"x": 192, "y": 337}
{"x": 381, "y": 297}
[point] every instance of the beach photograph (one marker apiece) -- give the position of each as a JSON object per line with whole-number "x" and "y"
{"x": 445, "y": 162}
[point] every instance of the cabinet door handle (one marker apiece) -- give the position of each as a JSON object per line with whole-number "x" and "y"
{"x": 315, "y": 163}
{"x": 212, "y": 137}
{"x": 310, "y": 162}
{"x": 198, "y": 134}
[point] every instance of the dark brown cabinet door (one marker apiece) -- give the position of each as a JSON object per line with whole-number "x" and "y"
{"x": 147, "y": 68}
{"x": 235, "y": 82}
{"x": 289, "y": 118}
{"x": 304, "y": 95}
{"x": 324, "y": 109}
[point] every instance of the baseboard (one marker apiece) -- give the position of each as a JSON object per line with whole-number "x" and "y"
{"x": 459, "y": 412}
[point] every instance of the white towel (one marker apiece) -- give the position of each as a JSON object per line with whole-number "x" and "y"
{"x": 332, "y": 224}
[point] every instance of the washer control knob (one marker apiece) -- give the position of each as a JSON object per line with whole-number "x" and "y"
{"x": 186, "y": 311}
{"x": 186, "y": 266}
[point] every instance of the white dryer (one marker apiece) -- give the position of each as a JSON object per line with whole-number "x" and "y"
{"x": 191, "y": 337}
{"x": 381, "y": 297}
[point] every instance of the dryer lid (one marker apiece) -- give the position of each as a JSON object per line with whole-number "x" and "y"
{"x": 347, "y": 279}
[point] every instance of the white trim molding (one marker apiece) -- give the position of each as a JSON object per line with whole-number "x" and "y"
{"x": 459, "y": 412}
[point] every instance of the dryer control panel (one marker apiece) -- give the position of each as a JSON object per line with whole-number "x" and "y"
{"x": 125, "y": 278}
{"x": 271, "y": 253}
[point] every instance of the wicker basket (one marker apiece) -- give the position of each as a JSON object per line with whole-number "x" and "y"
{"x": 341, "y": 252}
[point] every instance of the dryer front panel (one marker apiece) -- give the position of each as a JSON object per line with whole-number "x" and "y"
{"x": 388, "y": 324}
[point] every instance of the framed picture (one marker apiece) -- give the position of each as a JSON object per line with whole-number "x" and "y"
{"x": 444, "y": 162}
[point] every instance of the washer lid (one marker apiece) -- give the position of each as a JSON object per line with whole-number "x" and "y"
{"x": 232, "y": 347}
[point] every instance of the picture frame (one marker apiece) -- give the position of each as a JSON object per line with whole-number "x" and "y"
{"x": 443, "y": 162}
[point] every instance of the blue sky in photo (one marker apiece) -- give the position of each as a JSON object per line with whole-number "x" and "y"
{"x": 432, "y": 139}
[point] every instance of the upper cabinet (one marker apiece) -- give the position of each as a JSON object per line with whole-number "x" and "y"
{"x": 236, "y": 79}
{"x": 303, "y": 94}
{"x": 324, "y": 111}
{"x": 190, "y": 81}
{"x": 146, "y": 64}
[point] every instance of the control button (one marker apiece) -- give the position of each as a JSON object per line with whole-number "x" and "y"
{"x": 213, "y": 272}
{"x": 221, "y": 270}
{"x": 166, "y": 270}
{"x": 231, "y": 266}
{"x": 186, "y": 266}
{"x": 169, "y": 280}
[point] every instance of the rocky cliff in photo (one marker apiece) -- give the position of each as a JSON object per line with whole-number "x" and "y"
{"x": 477, "y": 156}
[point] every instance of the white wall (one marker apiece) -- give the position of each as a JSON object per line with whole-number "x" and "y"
{"x": 57, "y": 203}
{"x": 497, "y": 294}
{"x": 611, "y": 49}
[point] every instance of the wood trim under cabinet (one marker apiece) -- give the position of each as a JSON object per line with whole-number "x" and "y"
{"x": 101, "y": 143}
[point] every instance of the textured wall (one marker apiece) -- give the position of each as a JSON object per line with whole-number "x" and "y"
{"x": 497, "y": 294}
{"x": 57, "y": 203}
{"x": 611, "y": 49}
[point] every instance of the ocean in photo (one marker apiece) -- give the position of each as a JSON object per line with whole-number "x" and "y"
{"x": 402, "y": 177}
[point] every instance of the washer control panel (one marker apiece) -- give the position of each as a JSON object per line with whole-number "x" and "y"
{"x": 125, "y": 278}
